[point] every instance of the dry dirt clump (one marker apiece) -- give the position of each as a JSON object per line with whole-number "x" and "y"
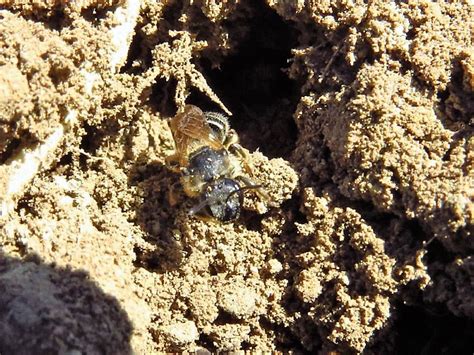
{"x": 370, "y": 217}
{"x": 50, "y": 8}
{"x": 415, "y": 160}
{"x": 347, "y": 300}
{"x": 407, "y": 163}
{"x": 32, "y": 59}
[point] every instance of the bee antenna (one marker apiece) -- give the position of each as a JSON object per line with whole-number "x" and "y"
{"x": 198, "y": 207}
{"x": 240, "y": 189}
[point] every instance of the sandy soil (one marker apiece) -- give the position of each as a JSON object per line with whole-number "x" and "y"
{"x": 362, "y": 114}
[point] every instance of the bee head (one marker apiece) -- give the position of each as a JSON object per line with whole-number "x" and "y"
{"x": 221, "y": 199}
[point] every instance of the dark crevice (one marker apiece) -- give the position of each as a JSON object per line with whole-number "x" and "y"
{"x": 65, "y": 160}
{"x": 251, "y": 220}
{"x": 246, "y": 346}
{"x": 286, "y": 342}
{"x": 293, "y": 210}
{"x": 11, "y": 148}
{"x": 51, "y": 18}
{"x": 25, "y": 204}
{"x": 253, "y": 85}
{"x": 139, "y": 57}
{"x": 411, "y": 33}
{"x": 142, "y": 259}
{"x": 421, "y": 331}
{"x": 213, "y": 270}
{"x": 172, "y": 12}
{"x": 436, "y": 252}
{"x": 224, "y": 318}
{"x": 90, "y": 142}
{"x": 456, "y": 103}
{"x": 207, "y": 343}
{"x": 286, "y": 242}
{"x": 464, "y": 134}
{"x": 166, "y": 256}
{"x": 163, "y": 93}
{"x": 58, "y": 74}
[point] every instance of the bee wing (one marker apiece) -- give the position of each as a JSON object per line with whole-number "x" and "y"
{"x": 190, "y": 125}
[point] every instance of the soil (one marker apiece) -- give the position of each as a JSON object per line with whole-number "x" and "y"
{"x": 358, "y": 117}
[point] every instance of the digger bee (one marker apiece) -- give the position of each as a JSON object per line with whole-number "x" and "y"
{"x": 210, "y": 159}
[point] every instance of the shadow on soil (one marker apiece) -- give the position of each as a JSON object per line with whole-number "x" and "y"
{"x": 46, "y": 309}
{"x": 156, "y": 215}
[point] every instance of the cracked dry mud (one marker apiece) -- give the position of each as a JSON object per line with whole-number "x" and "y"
{"x": 362, "y": 114}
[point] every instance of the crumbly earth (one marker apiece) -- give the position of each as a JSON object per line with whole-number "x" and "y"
{"x": 368, "y": 232}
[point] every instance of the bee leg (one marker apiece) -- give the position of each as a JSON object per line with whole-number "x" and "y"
{"x": 250, "y": 184}
{"x": 231, "y": 139}
{"x": 243, "y": 154}
{"x": 173, "y": 195}
{"x": 172, "y": 163}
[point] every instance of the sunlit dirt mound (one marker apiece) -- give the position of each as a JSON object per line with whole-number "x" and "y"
{"x": 358, "y": 120}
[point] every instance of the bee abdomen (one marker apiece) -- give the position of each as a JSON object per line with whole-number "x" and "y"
{"x": 219, "y": 124}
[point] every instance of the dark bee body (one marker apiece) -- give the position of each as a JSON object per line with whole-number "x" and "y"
{"x": 205, "y": 165}
{"x": 209, "y": 171}
{"x": 224, "y": 198}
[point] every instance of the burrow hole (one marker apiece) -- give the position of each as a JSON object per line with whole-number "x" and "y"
{"x": 253, "y": 83}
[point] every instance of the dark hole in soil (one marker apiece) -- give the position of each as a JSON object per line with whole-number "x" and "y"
{"x": 65, "y": 160}
{"x": 253, "y": 85}
{"x": 251, "y": 220}
{"x": 224, "y": 318}
{"x": 139, "y": 57}
{"x": 90, "y": 142}
{"x": 438, "y": 253}
{"x": 163, "y": 96}
{"x": 422, "y": 332}
{"x": 207, "y": 345}
{"x": 286, "y": 342}
{"x": 10, "y": 149}
{"x": 456, "y": 103}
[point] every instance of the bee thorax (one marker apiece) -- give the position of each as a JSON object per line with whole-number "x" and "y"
{"x": 209, "y": 164}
